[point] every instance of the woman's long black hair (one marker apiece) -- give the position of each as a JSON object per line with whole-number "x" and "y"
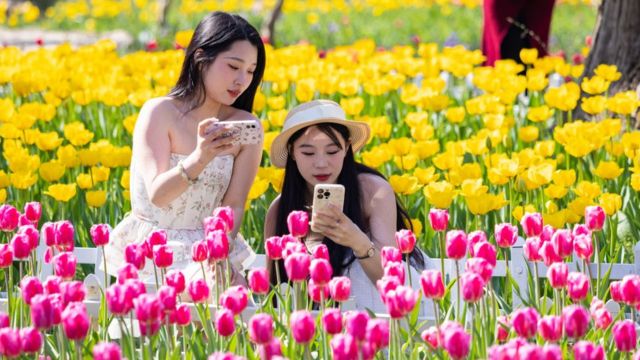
{"x": 214, "y": 34}
{"x": 292, "y": 198}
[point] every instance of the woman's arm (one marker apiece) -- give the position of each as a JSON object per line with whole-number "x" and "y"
{"x": 152, "y": 150}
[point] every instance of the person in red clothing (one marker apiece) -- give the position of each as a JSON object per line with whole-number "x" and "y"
{"x": 512, "y": 25}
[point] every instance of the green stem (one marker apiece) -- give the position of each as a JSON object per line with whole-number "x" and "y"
{"x": 458, "y": 288}
{"x": 106, "y": 283}
{"x": 442, "y": 252}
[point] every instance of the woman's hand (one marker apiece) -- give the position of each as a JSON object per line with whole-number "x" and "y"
{"x": 334, "y": 224}
{"x": 214, "y": 138}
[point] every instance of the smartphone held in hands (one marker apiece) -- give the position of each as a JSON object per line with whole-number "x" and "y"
{"x": 248, "y": 131}
{"x": 325, "y": 194}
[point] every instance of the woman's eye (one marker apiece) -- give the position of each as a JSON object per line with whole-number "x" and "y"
{"x": 250, "y": 72}
{"x": 332, "y": 152}
{"x": 307, "y": 154}
{"x": 233, "y": 67}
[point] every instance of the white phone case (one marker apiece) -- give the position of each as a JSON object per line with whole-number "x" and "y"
{"x": 249, "y": 131}
{"x": 325, "y": 194}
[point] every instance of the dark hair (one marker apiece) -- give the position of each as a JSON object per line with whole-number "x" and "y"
{"x": 216, "y": 33}
{"x": 294, "y": 185}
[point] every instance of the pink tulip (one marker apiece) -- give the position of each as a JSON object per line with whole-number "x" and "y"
{"x": 630, "y": 289}
{"x": 72, "y": 291}
{"x": 530, "y": 352}
{"x": 106, "y": 351}
{"x": 162, "y": 256}
{"x": 134, "y": 254}
{"x": 64, "y": 235}
{"x": 10, "y": 344}
{"x": 30, "y": 286}
{"x": 552, "y": 352}
{"x": 396, "y": 270}
{"x": 550, "y": 328}
{"x": 148, "y": 308}
{"x": 212, "y": 223}
{"x": 298, "y": 223}
{"x": 64, "y": 265}
{"x": 218, "y": 244}
{"x": 356, "y": 324}
{"x": 344, "y": 347}
{"x": 439, "y": 219}
{"x": 52, "y": 284}
{"x": 532, "y": 249}
{"x": 332, "y": 321}
{"x": 503, "y": 326}
{"x": 32, "y": 233}
{"x": 525, "y": 322}
{"x": 340, "y": 288}
{"x": 547, "y": 233}
{"x": 155, "y": 238}
{"x": 577, "y": 286}
{"x": 406, "y": 241}
{"x": 486, "y": 251}
{"x": 118, "y": 302}
{"x": 479, "y": 266}
{"x": 377, "y": 333}
{"x": 226, "y": 214}
{"x": 8, "y": 217}
{"x": 317, "y": 292}
{"x": 506, "y": 235}
{"x": 48, "y": 232}
{"x": 297, "y": 266}
{"x": 581, "y": 229}
{"x": 456, "y": 341}
{"x": 583, "y": 246}
{"x": 456, "y": 244}
{"x": 624, "y": 335}
{"x": 31, "y": 339}
{"x": 199, "y": 251}
{"x": 594, "y": 217}
{"x": 386, "y": 284}
{"x": 548, "y": 253}
{"x": 198, "y": 291}
{"x": 432, "y": 284}
{"x": 4, "y": 318}
{"x": 532, "y": 224}
{"x": 321, "y": 252}
{"x": 575, "y": 319}
{"x": 557, "y": 274}
{"x": 175, "y": 278}
{"x": 258, "y": 281}
{"x": 272, "y": 350}
{"x": 472, "y": 286}
{"x": 584, "y": 350}
{"x": 168, "y": 297}
{"x": 6, "y": 256}
{"x": 431, "y": 336}
{"x": 273, "y": 248}
{"x": 390, "y": 254}
{"x": 181, "y": 315}
{"x": 100, "y": 234}
{"x": 321, "y": 271}
{"x": 126, "y": 272}
{"x": 476, "y": 237}
{"x": 303, "y": 326}
{"x": 602, "y": 318}
{"x": 21, "y": 246}
{"x": 562, "y": 241}
{"x": 292, "y": 247}
{"x": 33, "y": 211}
{"x": 75, "y": 321}
{"x": 400, "y": 301}
{"x": 218, "y": 355}
{"x": 225, "y": 322}
{"x": 261, "y": 328}
{"x": 42, "y": 312}
{"x": 235, "y": 299}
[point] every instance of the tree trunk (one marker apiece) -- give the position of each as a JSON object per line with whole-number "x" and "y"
{"x": 165, "y": 6}
{"x": 269, "y": 31}
{"x": 617, "y": 43}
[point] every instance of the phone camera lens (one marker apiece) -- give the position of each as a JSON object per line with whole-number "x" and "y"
{"x": 319, "y": 196}
{"x": 320, "y": 191}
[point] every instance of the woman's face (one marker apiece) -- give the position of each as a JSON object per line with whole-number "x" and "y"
{"x": 319, "y": 159}
{"x": 231, "y": 73}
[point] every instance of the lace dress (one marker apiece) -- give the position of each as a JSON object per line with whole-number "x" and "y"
{"x": 181, "y": 219}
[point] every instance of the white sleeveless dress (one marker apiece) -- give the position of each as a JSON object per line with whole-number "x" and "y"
{"x": 181, "y": 219}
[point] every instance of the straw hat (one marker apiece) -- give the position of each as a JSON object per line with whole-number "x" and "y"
{"x": 312, "y": 113}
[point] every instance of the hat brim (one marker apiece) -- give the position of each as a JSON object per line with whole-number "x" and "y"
{"x": 358, "y": 137}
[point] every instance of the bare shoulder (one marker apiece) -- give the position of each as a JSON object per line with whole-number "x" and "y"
{"x": 375, "y": 187}
{"x": 238, "y": 114}
{"x": 273, "y": 207}
{"x": 159, "y": 111}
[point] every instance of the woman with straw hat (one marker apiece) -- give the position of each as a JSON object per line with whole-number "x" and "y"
{"x": 316, "y": 146}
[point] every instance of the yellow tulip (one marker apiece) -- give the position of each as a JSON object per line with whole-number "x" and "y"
{"x": 3, "y": 195}
{"x": 528, "y": 134}
{"x": 608, "y": 72}
{"x": 404, "y": 184}
{"x": 7, "y": 110}
{"x": 554, "y": 191}
{"x": 470, "y": 188}
{"x": 129, "y": 123}
{"x": 556, "y": 219}
{"x": 76, "y": 133}
{"x": 588, "y": 190}
{"x": 406, "y": 162}
{"x": 84, "y": 181}
{"x": 52, "y": 170}
{"x": 447, "y": 160}
{"x": 183, "y": 38}
{"x": 519, "y": 211}
{"x": 528, "y": 56}
{"x": 564, "y": 178}
{"x": 496, "y": 177}
{"x": 422, "y": 132}
{"x": 376, "y": 157}
{"x": 400, "y": 146}
{"x": 425, "y": 149}
{"x": 611, "y": 203}
{"x": 352, "y": 106}
{"x": 276, "y": 102}
{"x": 578, "y": 205}
{"x": 125, "y": 179}
{"x": 88, "y": 157}
{"x": 23, "y": 180}
{"x": 276, "y": 117}
{"x": 608, "y": 170}
{"x": 48, "y": 141}
{"x": 635, "y": 182}
{"x": 545, "y": 148}
{"x": 61, "y": 192}
{"x": 258, "y": 188}
{"x": 484, "y": 203}
{"x": 455, "y": 115}
{"x": 594, "y": 104}
{"x": 4, "y": 179}
{"x": 595, "y": 85}
{"x": 440, "y": 194}
{"x": 426, "y": 175}
{"x": 414, "y": 119}
{"x": 96, "y": 198}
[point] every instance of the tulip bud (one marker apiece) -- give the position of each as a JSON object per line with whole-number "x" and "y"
{"x": 562, "y": 241}
{"x": 134, "y": 254}
{"x": 9, "y": 217}
{"x": 583, "y": 247}
{"x": 532, "y": 224}
{"x": 32, "y": 340}
{"x": 10, "y": 343}
{"x": 486, "y": 251}
{"x": 577, "y": 286}
{"x": 162, "y": 256}
{"x": 340, "y": 288}
{"x": 225, "y": 322}
{"x": 624, "y": 335}
{"x": 33, "y": 211}
{"x": 390, "y": 254}
{"x": 550, "y": 328}
{"x": 64, "y": 265}
{"x": 344, "y": 347}
{"x": 506, "y": 235}
{"x": 456, "y": 342}
{"x": 259, "y": 281}
{"x": 321, "y": 271}
{"x": 225, "y": 213}
{"x": 332, "y": 321}
{"x": 472, "y": 286}
{"x": 6, "y": 255}
{"x": 100, "y": 234}
{"x": 378, "y": 333}
{"x": 585, "y": 350}
{"x": 175, "y": 278}
{"x": 106, "y": 351}
{"x": 439, "y": 219}
{"x": 479, "y": 266}
{"x": 181, "y": 315}
{"x": 303, "y": 326}
{"x": 432, "y": 284}
{"x": 321, "y": 252}
{"x": 75, "y": 321}
{"x": 456, "y": 244}
{"x": 21, "y": 246}
{"x": 30, "y": 286}
{"x": 273, "y": 248}
{"x": 298, "y": 223}
{"x": 218, "y": 244}
{"x": 235, "y": 299}
{"x": 525, "y": 322}
{"x": 594, "y": 217}
{"x": 261, "y": 328}
{"x": 406, "y": 241}
{"x": 557, "y": 274}
{"x": 64, "y": 234}
{"x": 356, "y": 324}
{"x": 576, "y": 321}
{"x": 199, "y": 291}
{"x": 297, "y": 266}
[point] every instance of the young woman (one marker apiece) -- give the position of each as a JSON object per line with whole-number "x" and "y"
{"x": 316, "y": 146}
{"x": 181, "y": 169}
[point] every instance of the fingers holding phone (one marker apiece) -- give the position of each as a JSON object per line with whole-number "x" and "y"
{"x": 214, "y": 138}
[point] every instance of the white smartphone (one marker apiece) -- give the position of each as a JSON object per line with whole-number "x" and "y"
{"x": 325, "y": 194}
{"x": 249, "y": 131}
